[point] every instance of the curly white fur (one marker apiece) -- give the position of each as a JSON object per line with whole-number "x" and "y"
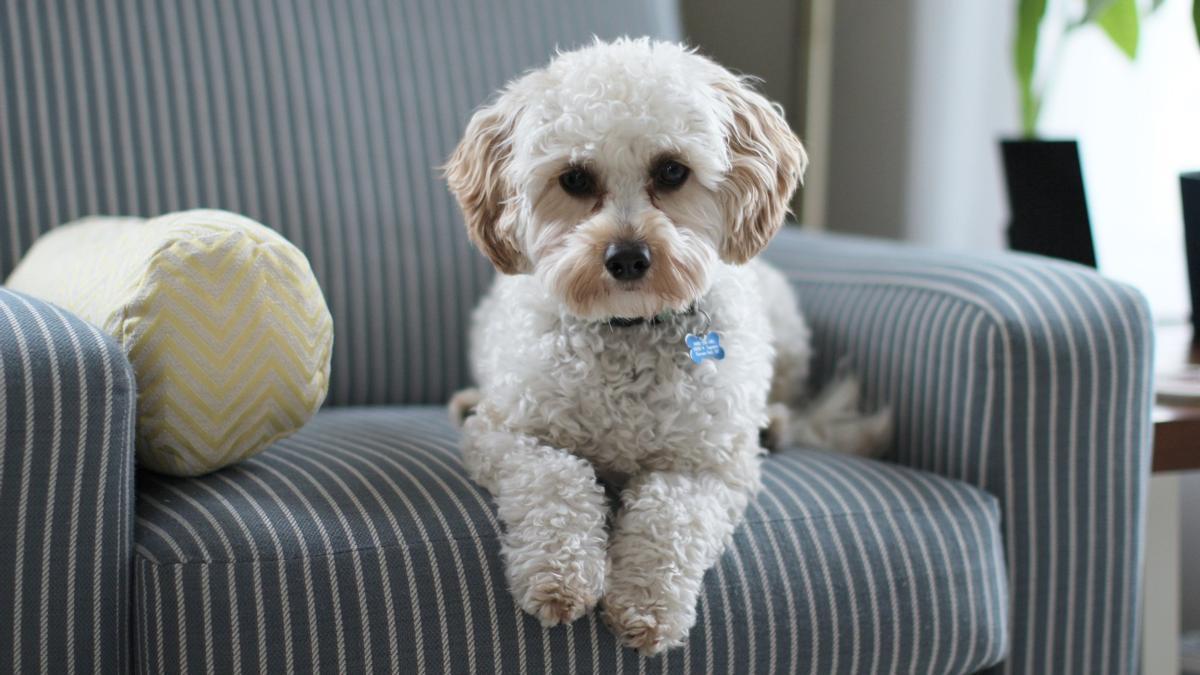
{"x": 566, "y": 398}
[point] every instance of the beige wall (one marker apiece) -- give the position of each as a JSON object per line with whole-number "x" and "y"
{"x": 859, "y": 151}
{"x": 900, "y": 103}
{"x": 871, "y": 89}
{"x": 760, "y": 38}
{"x": 756, "y": 37}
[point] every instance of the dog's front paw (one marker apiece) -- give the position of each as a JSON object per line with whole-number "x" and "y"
{"x": 647, "y": 628}
{"x": 555, "y": 599}
{"x": 555, "y": 547}
{"x": 557, "y": 587}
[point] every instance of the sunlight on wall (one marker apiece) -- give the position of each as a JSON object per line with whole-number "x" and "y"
{"x": 1138, "y": 125}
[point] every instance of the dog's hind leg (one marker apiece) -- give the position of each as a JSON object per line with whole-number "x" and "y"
{"x": 835, "y": 420}
{"x": 778, "y": 432}
{"x": 462, "y": 405}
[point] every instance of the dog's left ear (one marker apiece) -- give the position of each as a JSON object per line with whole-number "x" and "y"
{"x": 767, "y": 162}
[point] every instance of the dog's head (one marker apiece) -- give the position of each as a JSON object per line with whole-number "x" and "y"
{"x": 621, "y": 173}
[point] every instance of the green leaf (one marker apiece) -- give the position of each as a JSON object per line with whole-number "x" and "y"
{"x": 1196, "y": 17}
{"x": 1095, "y": 8}
{"x": 1120, "y": 22}
{"x": 1155, "y": 4}
{"x": 1029, "y": 20}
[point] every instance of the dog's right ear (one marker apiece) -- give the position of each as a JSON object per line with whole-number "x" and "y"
{"x": 476, "y": 173}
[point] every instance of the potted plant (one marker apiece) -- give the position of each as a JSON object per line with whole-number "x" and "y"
{"x": 1047, "y": 202}
{"x": 1189, "y": 191}
{"x": 1046, "y": 195}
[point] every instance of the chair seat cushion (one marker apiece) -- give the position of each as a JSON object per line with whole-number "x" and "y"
{"x": 359, "y": 544}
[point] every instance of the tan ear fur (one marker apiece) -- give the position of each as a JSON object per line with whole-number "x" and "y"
{"x": 767, "y": 162}
{"x": 476, "y": 175}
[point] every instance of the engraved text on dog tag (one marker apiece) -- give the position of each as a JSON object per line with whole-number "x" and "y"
{"x": 707, "y": 347}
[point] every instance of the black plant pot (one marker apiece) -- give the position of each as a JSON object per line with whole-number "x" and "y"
{"x": 1047, "y": 200}
{"x": 1189, "y": 189}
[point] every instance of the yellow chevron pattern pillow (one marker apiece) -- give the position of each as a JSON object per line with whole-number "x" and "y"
{"x": 221, "y": 317}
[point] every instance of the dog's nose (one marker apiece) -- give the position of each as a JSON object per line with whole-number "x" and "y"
{"x": 627, "y": 260}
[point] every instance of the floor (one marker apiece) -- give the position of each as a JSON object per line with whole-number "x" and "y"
{"x": 1160, "y": 625}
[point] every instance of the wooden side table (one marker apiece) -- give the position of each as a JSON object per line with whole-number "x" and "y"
{"x": 1176, "y": 428}
{"x": 1176, "y": 449}
{"x": 1176, "y": 439}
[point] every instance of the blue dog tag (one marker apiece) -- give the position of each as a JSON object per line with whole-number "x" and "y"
{"x": 707, "y": 347}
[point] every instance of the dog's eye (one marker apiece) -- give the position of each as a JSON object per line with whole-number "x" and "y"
{"x": 670, "y": 174}
{"x": 577, "y": 182}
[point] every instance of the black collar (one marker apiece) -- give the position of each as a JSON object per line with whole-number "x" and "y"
{"x": 623, "y": 322}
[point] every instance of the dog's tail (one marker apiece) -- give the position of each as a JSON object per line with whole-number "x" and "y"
{"x": 461, "y": 405}
{"x": 832, "y": 420}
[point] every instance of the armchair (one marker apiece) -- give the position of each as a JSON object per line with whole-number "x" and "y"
{"x": 1028, "y": 378}
{"x": 1005, "y": 533}
{"x": 67, "y": 401}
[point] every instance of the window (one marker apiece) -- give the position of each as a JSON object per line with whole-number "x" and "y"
{"x": 1138, "y": 126}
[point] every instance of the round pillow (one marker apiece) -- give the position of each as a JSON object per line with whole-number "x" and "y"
{"x": 221, "y": 318}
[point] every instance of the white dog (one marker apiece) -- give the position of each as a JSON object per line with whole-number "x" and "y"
{"x": 623, "y": 191}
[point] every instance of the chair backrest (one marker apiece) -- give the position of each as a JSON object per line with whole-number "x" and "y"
{"x": 324, "y": 119}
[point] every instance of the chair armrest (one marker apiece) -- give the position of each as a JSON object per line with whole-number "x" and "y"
{"x": 1027, "y": 377}
{"x": 67, "y": 401}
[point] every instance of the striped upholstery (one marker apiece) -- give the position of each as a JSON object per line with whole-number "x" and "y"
{"x": 1027, "y": 378}
{"x": 323, "y": 118}
{"x": 359, "y": 545}
{"x": 66, "y": 496}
